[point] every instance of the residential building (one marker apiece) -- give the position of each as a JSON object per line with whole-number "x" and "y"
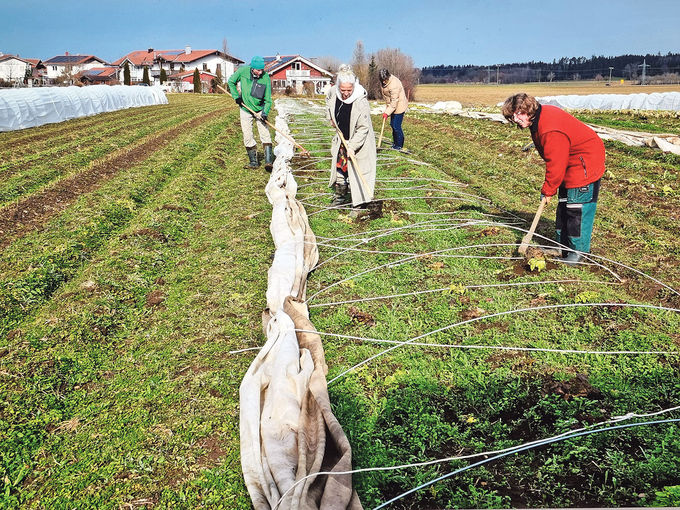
{"x": 175, "y": 61}
{"x": 184, "y": 81}
{"x": 14, "y": 70}
{"x": 99, "y": 76}
{"x": 38, "y": 73}
{"x": 65, "y": 67}
{"x": 294, "y": 71}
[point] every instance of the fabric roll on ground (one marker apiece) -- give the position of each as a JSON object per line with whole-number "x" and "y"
{"x": 287, "y": 428}
{"x": 322, "y": 444}
{"x": 31, "y": 107}
{"x": 270, "y": 400}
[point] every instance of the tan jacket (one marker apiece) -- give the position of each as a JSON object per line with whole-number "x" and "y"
{"x": 362, "y": 142}
{"x": 394, "y": 95}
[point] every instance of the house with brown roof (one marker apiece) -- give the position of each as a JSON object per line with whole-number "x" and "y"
{"x": 176, "y": 61}
{"x": 294, "y": 71}
{"x": 66, "y": 66}
{"x": 14, "y": 70}
{"x": 99, "y": 76}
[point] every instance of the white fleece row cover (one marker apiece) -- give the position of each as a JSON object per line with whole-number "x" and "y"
{"x": 31, "y": 107}
{"x": 654, "y": 101}
{"x": 289, "y": 435}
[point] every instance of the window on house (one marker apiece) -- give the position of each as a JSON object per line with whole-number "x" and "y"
{"x": 172, "y": 67}
{"x": 205, "y": 66}
{"x": 296, "y": 66}
{"x": 54, "y": 68}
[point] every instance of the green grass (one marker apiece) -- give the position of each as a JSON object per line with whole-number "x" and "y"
{"x": 117, "y": 386}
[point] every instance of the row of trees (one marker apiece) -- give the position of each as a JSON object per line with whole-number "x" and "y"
{"x": 366, "y": 67}
{"x": 566, "y": 68}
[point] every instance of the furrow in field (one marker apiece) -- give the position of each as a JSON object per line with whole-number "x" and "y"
{"x": 35, "y": 266}
{"x": 93, "y": 141}
{"x": 32, "y": 212}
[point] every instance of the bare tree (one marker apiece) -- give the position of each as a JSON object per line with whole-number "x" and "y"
{"x": 359, "y": 63}
{"x": 328, "y": 62}
{"x": 400, "y": 65}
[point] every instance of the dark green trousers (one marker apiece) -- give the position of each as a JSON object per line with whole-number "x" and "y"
{"x": 576, "y": 215}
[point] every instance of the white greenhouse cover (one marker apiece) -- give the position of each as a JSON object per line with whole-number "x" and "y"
{"x": 654, "y": 101}
{"x": 30, "y": 107}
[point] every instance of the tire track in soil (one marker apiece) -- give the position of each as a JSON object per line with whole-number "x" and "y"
{"x": 33, "y": 212}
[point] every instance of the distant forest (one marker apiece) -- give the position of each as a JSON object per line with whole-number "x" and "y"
{"x": 659, "y": 69}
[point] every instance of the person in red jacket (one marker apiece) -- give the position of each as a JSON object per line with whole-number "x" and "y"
{"x": 574, "y": 165}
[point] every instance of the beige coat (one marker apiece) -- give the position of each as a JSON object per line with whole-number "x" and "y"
{"x": 394, "y": 95}
{"x": 362, "y": 142}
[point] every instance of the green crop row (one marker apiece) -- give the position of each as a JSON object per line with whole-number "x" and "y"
{"x": 421, "y": 403}
{"x": 38, "y": 175}
{"x": 35, "y": 266}
{"x": 119, "y": 395}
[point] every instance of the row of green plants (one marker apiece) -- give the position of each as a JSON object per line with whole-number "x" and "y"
{"x": 115, "y": 389}
{"x": 33, "y": 176}
{"x": 423, "y": 403}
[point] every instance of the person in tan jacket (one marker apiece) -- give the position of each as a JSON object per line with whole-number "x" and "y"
{"x": 395, "y": 97}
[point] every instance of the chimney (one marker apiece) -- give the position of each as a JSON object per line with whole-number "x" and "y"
{"x": 278, "y": 57}
{"x": 187, "y": 50}
{"x": 66, "y": 53}
{"x": 149, "y": 50}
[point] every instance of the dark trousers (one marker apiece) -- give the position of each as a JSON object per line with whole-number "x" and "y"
{"x": 397, "y": 133}
{"x": 576, "y": 215}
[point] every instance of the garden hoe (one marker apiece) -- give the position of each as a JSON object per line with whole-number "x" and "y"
{"x": 303, "y": 152}
{"x": 527, "y": 238}
{"x": 382, "y": 130}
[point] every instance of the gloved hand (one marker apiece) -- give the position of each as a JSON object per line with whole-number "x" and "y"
{"x": 542, "y": 197}
{"x": 385, "y": 115}
{"x": 239, "y": 100}
{"x": 263, "y": 117}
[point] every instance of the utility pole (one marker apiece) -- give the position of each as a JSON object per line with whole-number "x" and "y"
{"x": 610, "y": 75}
{"x": 497, "y": 74}
{"x": 488, "y": 74}
{"x": 644, "y": 67}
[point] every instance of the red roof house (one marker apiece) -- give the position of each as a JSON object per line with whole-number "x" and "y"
{"x": 294, "y": 71}
{"x": 174, "y": 61}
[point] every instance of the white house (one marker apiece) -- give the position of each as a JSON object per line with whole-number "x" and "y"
{"x": 66, "y": 66}
{"x": 175, "y": 61}
{"x": 14, "y": 69}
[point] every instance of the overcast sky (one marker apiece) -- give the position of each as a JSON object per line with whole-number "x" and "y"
{"x": 482, "y": 32}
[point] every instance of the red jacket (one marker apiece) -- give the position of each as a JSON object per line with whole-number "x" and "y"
{"x": 573, "y": 153}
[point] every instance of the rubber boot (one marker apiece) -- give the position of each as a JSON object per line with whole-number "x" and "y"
{"x": 572, "y": 259}
{"x": 252, "y": 157}
{"x": 268, "y": 157}
{"x": 341, "y": 195}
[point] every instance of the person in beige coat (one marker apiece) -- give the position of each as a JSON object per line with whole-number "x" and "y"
{"x": 349, "y": 112}
{"x": 395, "y": 97}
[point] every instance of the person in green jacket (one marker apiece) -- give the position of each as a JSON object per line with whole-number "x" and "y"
{"x": 256, "y": 94}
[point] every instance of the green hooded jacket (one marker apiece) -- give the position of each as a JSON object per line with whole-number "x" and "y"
{"x": 243, "y": 75}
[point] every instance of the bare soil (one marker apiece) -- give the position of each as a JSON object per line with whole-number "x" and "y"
{"x": 33, "y": 212}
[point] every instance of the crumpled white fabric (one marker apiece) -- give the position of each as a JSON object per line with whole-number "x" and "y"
{"x": 286, "y": 421}
{"x": 270, "y": 398}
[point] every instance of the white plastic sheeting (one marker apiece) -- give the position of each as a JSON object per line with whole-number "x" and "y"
{"x": 31, "y": 107}
{"x": 654, "y": 101}
{"x": 289, "y": 434}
